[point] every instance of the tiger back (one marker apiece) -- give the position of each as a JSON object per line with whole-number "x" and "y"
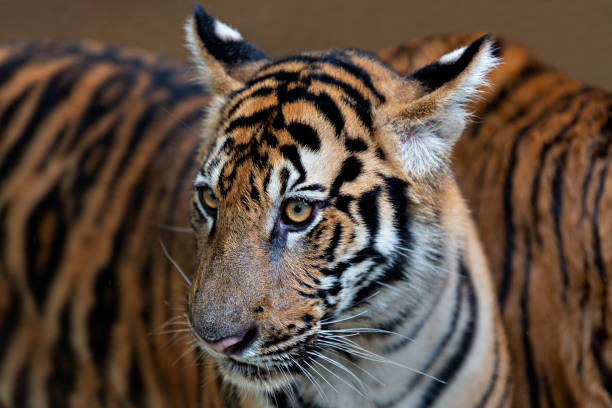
{"x": 88, "y": 183}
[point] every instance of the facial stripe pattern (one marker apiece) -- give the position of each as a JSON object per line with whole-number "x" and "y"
{"x": 534, "y": 169}
{"x": 384, "y": 268}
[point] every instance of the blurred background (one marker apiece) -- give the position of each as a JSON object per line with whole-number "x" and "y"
{"x": 575, "y": 36}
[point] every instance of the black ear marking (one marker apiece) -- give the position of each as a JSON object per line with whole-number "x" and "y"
{"x": 222, "y": 42}
{"x": 435, "y": 75}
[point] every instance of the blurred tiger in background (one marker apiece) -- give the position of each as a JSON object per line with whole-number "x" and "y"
{"x": 535, "y": 167}
{"x": 97, "y": 155}
{"x": 96, "y": 158}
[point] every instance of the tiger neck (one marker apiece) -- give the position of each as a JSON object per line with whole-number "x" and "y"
{"x": 449, "y": 350}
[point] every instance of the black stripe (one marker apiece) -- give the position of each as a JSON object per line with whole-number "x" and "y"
{"x": 506, "y": 392}
{"x": 263, "y": 91}
{"x": 9, "y": 67}
{"x": 556, "y": 206}
{"x": 351, "y": 168}
{"x": 290, "y": 152}
{"x": 361, "y": 106}
{"x": 368, "y": 209}
{"x": 601, "y": 336}
{"x": 558, "y": 106}
{"x": 494, "y": 377}
{"x": 61, "y": 380}
{"x": 333, "y": 60}
{"x": 355, "y": 145}
{"x": 56, "y": 91}
{"x": 284, "y": 179}
{"x": 41, "y": 271}
{"x": 454, "y": 364}
{"x": 12, "y": 107}
{"x": 329, "y": 251}
{"x": 279, "y": 76}
{"x": 256, "y": 118}
{"x": 98, "y": 106}
{"x": 304, "y": 135}
{"x": 521, "y": 78}
{"x": 549, "y": 397}
{"x": 322, "y": 101}
{"x": 439, "y": 348}
{"x": 266, "y": 181}
{"x": 11, "y": 315}
{"x": 530, "y": 372}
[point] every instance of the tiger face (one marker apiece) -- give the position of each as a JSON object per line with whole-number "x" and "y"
{"x": 322, "y": 182}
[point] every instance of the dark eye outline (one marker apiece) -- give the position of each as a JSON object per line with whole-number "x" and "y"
{"x": 295, "y": 226}
{"x": 212, "y": 211}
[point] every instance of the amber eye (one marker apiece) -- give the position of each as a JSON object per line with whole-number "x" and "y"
{"x": 207, "y": 197}
{"x": 297, "y": 211}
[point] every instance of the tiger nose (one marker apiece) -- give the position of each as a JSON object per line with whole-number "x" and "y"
{"x": 235, "y": 343}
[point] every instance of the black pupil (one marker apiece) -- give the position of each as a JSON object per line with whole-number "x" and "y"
{"x": 298, "y": 208}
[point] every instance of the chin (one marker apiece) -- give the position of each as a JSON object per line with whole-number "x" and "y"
{"x": 254, "y": 377}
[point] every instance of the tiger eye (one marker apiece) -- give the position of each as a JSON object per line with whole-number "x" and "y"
{"x": 208, "y": 197}
{"x": 297, "y": 211}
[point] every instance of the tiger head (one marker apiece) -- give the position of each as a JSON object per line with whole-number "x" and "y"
{"x": 323, "y": 193}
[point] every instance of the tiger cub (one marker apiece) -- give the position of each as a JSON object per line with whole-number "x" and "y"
{"x": 336, "y": 263}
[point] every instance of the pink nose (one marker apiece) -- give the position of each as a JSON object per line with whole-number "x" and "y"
{"x": 224, "y": 345}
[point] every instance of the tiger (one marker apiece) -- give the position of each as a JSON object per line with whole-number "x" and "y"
{"x": 376, "y": 235}
{"x": 534, "y": 166}
{"x": 132, "y": 369}
{"x": 336, "y": 263}
{"x": 89, "y": 181}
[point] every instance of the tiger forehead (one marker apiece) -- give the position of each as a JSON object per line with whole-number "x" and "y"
{"x": 308, "y": 113}
{"x": 339, "y": 85}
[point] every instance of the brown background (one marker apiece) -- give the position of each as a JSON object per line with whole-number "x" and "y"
{"x": 574, "y": 35}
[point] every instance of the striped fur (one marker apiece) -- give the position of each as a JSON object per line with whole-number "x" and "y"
{"x": 535, "y": 167}
{"x": 84, "y": 283}
{"x": 388, "y": 255}
{"x": 96, "y": 153}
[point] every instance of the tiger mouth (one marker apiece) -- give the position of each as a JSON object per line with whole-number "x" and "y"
{"x": 268, "y": 376}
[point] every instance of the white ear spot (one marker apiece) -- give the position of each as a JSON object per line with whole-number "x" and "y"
{"x": 452, "y": 56}
{"x": 226, "y": 33}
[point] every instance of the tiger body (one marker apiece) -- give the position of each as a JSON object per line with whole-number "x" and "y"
{"x": 88, "y": 134}
{"x": 535, "y": 168}
{"x": 78, "y": 329}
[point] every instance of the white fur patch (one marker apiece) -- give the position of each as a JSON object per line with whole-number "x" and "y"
{"x": 452, "y": 56}
{"x": 226, "y": 33}
{"x": 193, "y": 44}
{"x": 424, "y": 146}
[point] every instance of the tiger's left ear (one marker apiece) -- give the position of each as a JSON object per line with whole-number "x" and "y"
{"x": 223, "y": 57}
{"x": 426, "y": 113}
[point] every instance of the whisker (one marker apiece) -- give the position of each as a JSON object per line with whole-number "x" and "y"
{"x": 366, "y": 372}
{"x": 348, "y": 384}
{"x": 327, "y": 321}
{"x": 365, "y": 330}
{"x": 367, "y": 354}
{"x": 189, "y": 349}
{"x": 174, "y": 228}
{"x": 178, "y": 268}
{"x": 314, "y": 382}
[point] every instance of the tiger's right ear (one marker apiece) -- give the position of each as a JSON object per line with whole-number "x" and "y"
{"x": 223, "y": 57}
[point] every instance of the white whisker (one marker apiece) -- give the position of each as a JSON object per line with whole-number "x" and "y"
{"x": 178, "y": 268}
{"x": 174, "y": 228}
